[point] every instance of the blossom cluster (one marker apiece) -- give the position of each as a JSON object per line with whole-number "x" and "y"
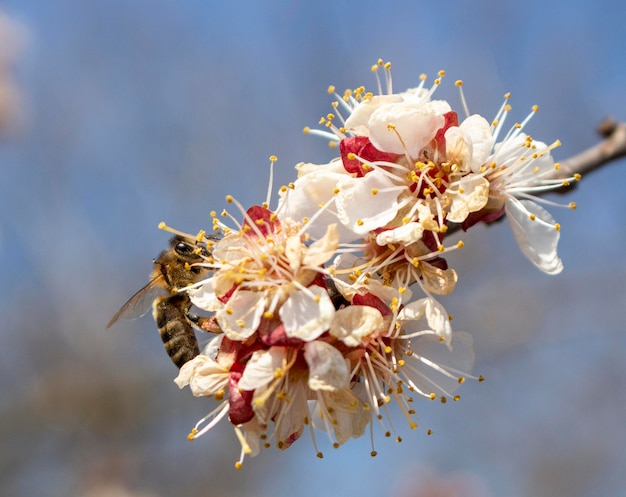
{"x": 324, "y": 307}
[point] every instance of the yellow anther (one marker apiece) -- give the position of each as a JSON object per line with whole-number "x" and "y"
{"x": 459, "y": 82}
{"x": 374, "y": 191}
{"x": 387, "y": 65}
{"x": 391, "y": 126}
{"x": 441, "y": 73}
{"x": 374, "y": 68}
{"x": 229, "y": 199}
{"x": 557, "y": 227}
{"x": 532, "y": 217}
{"x": 461, "y": 380}
{"x": 238, "y": 465}
{"x": 572, "y": 205}
{"x": 577, "y": 177}
{"x": 331, "y": 89}
{"x": 535, "y": 108}
{"x": 456, "y": 398}
{"x": 359, "y": 222}
{"x": 507, "y": 96}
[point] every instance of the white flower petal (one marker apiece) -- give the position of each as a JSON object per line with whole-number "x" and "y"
{"x": 212, "y": 348}
{"x": 304, "y": 200}
{"x": 293, "y": 252}
{"x": 324, "y": 248}
{"x": 436, "y": 280}
{"x": 306, "y": 314}
{"x": 291, "y": 416}
{"x": 360, "y": 209}
{"x": 474, "y": 196}
{"x": 204, "y": 376}
{"x": 435, "y": 314}
{"x": 416, "y": 124}
{"x": 355, "y": 322}
{"x": 458, "y": 148}
{"x": 327, "y": 367}
{"x": 478, "y": 130}
{"x": 262, "y": 367}
{"x": 360, "y": 115}
{"x": 241, "y": 315}
{"x": 436, "y": 368}
{"x": 538, "y": 238}
{"x": 407, "y": 233}
{"x": 343, "y": 413}
{"x": 204, "y": 297}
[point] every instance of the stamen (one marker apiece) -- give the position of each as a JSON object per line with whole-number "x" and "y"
{"x": 270, "y": 186}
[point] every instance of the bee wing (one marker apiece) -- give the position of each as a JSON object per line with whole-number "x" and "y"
{"x": 140, "y": 303}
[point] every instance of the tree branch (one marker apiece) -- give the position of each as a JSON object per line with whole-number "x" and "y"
{"x": 613, "y": 147}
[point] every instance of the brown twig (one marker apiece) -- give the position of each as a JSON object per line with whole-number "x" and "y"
{"x": 611, "y": 148}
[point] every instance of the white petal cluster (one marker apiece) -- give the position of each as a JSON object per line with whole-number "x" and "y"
{"x": 313, "y": 302}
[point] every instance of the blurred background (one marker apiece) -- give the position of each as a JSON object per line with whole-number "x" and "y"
{"x": 115, "y": 115}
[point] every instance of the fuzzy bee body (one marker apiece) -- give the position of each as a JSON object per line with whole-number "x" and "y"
{"x": 175, "y": 268}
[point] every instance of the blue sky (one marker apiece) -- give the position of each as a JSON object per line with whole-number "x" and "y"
{"x": 140, "y": 111}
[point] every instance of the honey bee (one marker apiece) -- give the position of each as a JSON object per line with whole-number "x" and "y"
{"x": 174, "y": 268}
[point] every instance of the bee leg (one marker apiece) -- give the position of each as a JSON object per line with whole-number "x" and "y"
{"x": 205, "y": 324}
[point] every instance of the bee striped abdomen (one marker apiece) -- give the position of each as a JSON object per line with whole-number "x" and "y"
{"x": 170, "y": 314}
